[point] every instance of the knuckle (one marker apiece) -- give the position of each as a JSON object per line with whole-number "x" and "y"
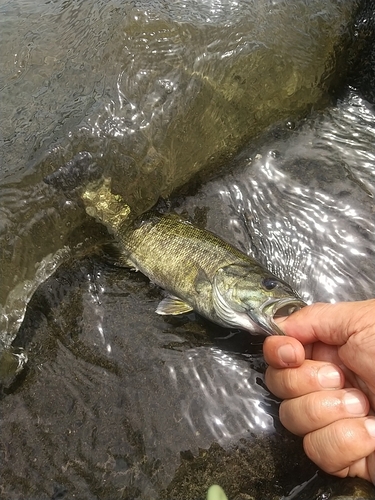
{"x": 335, "y": 447}
{"x": 314, "y": 415}
{"x": 270, "y": 380}
{"x": 286, "y": 415}
{"x": 305, "y": 414}
{"x": 316, "y": 449}
{"x": 291, "y": 382}
{"x": 344, "y": 436}
{"x": 278, "y": 383}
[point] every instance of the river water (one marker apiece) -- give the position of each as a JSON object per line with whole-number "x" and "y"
{"x": 115, "y": 401}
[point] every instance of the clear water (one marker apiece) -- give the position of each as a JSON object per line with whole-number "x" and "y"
{"x": 115, "y": 401}
{"x": 302, "y": 202}
{"x": 155, "y": 91}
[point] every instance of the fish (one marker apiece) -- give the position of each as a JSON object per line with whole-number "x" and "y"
{"x": 199, "y": 271}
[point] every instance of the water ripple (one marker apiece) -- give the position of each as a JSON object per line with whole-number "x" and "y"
{"x": 218, "y": 381}
{"x": 304, "y": 204}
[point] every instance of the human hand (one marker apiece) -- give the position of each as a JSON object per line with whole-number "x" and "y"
{"x": 324, "y": 369}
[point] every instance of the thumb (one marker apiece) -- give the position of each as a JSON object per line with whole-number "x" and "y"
{"x": 332, "y": 324}
{"x": 348, "y": 325}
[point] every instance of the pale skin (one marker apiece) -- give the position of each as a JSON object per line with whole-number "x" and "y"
{"x": 324, "y": 370}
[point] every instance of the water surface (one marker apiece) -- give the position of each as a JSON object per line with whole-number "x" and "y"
{"x": 154, "y": 91}
{"x": 115, "y": 401}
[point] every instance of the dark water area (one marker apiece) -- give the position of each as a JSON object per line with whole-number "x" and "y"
{"x": 116, "y": 402}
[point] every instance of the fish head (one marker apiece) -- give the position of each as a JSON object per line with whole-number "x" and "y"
{"x": 249, "y": 297}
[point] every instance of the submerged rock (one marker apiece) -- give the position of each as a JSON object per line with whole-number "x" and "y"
{"x": 155, "y": 92}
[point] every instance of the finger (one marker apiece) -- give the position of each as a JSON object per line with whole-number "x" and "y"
{"x": 325, "y": 352}
{"x": 311, "y": 376}
{"x": 330, "y": 323}
{"x": 352, "y": 380}
{"x": 363, "y": 345}
{"x": 329, "y": 353}
{"x": 371, "y": 467}
{"x": 317, "y": 410}
{"x": 339, "y": 448}
{"x": 281, "y": 352}
{"x": 292, "y": 356}
{"x": 349, "y": 325}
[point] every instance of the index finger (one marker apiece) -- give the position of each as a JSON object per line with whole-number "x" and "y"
{"x": 281, "y": 352}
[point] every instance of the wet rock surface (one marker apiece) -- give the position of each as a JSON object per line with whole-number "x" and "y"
{"x": 362, "y": 73}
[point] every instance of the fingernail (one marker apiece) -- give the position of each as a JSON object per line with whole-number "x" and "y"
{"x": 329, "y": 377}
{"x": 370, "y": 426}
{"x": 287, "y": 354}
{"x": 354, "y": 402}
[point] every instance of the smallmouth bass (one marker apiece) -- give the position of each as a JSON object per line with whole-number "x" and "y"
{"x": 199, "y": 270}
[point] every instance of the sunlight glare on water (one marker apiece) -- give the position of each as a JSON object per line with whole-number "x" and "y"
{"x": 224, "y": 382}
{"x": 307, "y": 212}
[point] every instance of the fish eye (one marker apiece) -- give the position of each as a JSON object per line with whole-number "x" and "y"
{"x": 269, "y": 283}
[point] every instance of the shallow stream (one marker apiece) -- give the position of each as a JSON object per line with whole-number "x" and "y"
{"x": 116, "y": 402}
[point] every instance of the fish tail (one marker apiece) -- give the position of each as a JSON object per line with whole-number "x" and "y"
{"x": 104, "y": 205}
{"x": 84, "y": 178}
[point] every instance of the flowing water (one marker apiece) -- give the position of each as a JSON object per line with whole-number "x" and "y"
{"x": 154, "y": 91}
{"x": 115, "y": 401}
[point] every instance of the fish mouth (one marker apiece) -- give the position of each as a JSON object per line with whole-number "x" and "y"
{"x": 273, "y": 309}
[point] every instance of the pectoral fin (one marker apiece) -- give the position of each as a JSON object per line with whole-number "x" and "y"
{"x": 173, "y": 306}
{"x": 130, "y": 264}
{"x": 127, "y": 262}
